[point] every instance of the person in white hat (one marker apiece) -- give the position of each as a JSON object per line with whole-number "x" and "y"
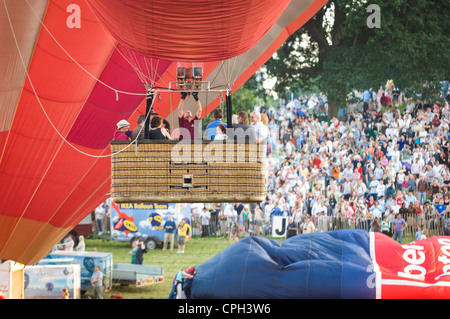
{"x": 122, "y": 127}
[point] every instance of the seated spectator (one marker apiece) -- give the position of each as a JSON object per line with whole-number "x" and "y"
{"x": 122, "y": 127}
{"x": 243, "y": 130}
{"x": 157, "y": 132}
{"x": 166, "y": 126}
{"x": 138, "y": 133}
{"x": 211, "y": 127}
{"x": 221, "y": 133}
{"x": 261, "y": 130}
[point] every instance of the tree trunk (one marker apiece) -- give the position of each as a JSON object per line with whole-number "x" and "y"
{"x": 333, "y": 110}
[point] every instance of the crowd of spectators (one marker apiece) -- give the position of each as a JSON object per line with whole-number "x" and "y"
{"x": 387, "y": 155}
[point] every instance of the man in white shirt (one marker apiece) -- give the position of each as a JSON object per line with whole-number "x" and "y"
{"x": 410, "y": 106}
{"x": 381, "y": 189}
{"x": 378, "y": 172}
{"x": 396, "y": 164}
{"x": 81, "y": 244}
{"x": 373, "y": 188}
{"x": 99, "y": 216}
{"x": 261, "y": 130}
{"x": 395, "y": 152}
{"x": 376, "y": 213}
{"x": 69, "y": 243}
{"x": 231, "y": 214}
{"x": 416, "y": 168}
{"x": 205, "y": 216}
{"x": 317, "y": 208}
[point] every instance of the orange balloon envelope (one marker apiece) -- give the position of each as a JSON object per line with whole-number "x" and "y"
{"x": 71, "y": 69}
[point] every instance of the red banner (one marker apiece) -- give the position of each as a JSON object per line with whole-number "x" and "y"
{"x": 418, "y": 270}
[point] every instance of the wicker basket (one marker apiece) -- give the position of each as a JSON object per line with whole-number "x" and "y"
{"x": 188, "y": 172}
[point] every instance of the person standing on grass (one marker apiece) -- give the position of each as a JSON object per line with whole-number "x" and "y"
{"x": 291, "y": 228}
{"x": 141, "y": 250}
{"x": 205, "y": 216}
{"x": 222, "y": 221}
{"x": 81, "y": 244}
{"x": 259, "y": 217}
{"x": 97, "y": 283}
{"x": 399, "y": 225}
{"x": 133, "y": 252}
{"x": 70, "y": 243}
{"x": 183, "y": 229}
{"x": 169, "y": 234}
{"x": 246, "y": 219}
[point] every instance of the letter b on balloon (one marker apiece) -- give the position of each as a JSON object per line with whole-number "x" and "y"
{"x": 374, "y": 19}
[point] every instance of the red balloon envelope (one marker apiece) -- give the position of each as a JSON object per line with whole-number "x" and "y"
{"x": 68, "y": 78}
{"x": 185, "y": 30}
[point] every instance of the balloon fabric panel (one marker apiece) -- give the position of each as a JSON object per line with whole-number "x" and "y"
{"x": 304, "y": 266}
{"x": 186, "y": 30}
{"x": 39, "y": 178}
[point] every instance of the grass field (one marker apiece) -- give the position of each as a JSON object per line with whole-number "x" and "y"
{"x": 197, "y": 251}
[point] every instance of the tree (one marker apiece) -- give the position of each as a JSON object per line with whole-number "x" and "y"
{"x": 244, "y": 99}
{"x": 339, "y": 49}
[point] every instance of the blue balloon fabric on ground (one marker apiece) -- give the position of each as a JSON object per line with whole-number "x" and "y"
{"x": 335, "y": 264}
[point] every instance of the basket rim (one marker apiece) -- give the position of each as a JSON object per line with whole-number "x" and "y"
{"x": 196, "y": 141}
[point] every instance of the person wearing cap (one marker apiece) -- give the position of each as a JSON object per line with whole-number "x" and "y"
{"x": 122, "y": 127}
{"x": 308, "y": 226}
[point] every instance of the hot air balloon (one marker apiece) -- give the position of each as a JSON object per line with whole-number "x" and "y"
{"x": 343, "y": 264}
{"x": 70, "y": 71}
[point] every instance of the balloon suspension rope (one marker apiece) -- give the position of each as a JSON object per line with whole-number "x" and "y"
{"x": 42, "y": 107}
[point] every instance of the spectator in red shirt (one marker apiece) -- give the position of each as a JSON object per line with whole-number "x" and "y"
{"x": 317, "y": 162}
{"x": 358, "y": 169}
{"x": 122, "y": 127}
{"x": 399, "y": 199}
{"x": 383, "y": 100}
{"x": 436, "y": 122}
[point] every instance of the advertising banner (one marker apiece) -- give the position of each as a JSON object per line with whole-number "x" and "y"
{"x": 420, "y": 269}
{"x": 130, "y": 220}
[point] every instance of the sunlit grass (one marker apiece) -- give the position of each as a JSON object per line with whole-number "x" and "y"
{"x": 197, "y": 251}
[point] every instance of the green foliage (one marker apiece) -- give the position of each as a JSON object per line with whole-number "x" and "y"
{"x": 243, "y": 99}
{"x": 410, "y": 47}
